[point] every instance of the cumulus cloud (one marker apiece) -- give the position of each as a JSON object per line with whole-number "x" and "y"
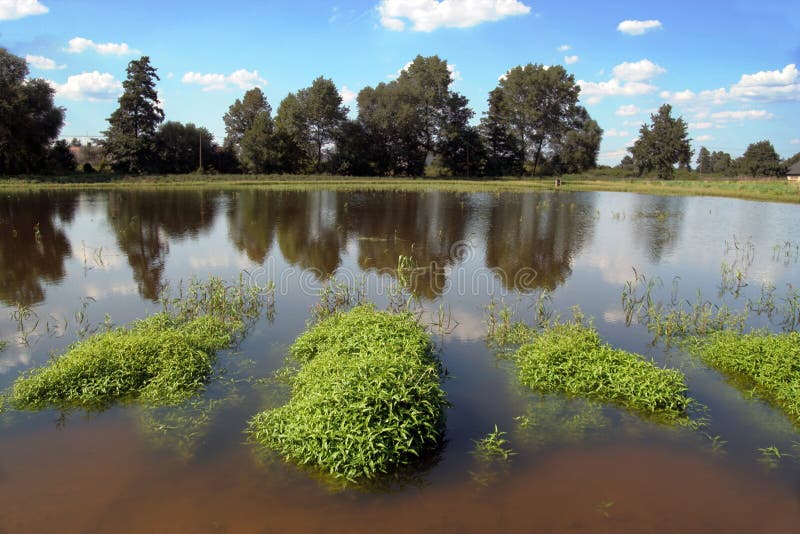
{"x": 42, "y": 63}
{"x": 348, "y": 95}
{"x": 627, "y": 111}
{"x": 91, "y": 86}
{"x": 243, "y": 79}
{"x": 78, "y": 45}
{"x": 705, "y": 137}
{"x": 701, "y": 125}
{"x": 596, "y": 91}
{"x": 564, "y": 48}
{"x": 638, "y": 71}
{"x": 570, "y": 60}
{"x": 17, "y": 9}
{"x": 750, "y": 114}
{"x": 429, "y": 15}
{"x": 638, "y": 27}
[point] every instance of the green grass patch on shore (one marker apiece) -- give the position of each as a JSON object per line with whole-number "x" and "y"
{"x": 570, "y": 358}
{"x": 766, "y": 363}
{"x": 160, "y": 360}
{"x": 366, "y": 400}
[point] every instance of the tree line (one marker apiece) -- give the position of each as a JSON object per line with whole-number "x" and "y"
{"x": 412, "y": 126}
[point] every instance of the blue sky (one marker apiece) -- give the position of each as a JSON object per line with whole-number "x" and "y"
{"x": 730, "y": 68}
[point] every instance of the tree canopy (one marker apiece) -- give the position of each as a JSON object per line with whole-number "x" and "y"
{"x": 29, "y": 120}
{"x": 662, "y": 144}
{"x": 760, "y": 159}
{"x": 130, "y": 140}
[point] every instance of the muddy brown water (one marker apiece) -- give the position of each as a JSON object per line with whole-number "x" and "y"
{"x": 67, "y": 258}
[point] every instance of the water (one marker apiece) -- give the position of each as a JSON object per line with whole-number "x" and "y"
{"x": 68, "y": 258}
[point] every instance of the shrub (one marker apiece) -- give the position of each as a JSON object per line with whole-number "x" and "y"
{"x": 366, "y": 400}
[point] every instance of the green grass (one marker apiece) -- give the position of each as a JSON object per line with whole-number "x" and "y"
{"x": 570, "y": 358}
{"x": 766, "y": 363}
{"x": 161, "y": 360}
{"x": 778, "y": 190}
{"x": 366, "y": 400}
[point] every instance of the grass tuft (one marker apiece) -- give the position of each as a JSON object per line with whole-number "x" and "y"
{"x": 160, "y": 360}
{"x": 570, "y": 358}
{"x": 769, "y": 363}
{"x": 366, "y": 400}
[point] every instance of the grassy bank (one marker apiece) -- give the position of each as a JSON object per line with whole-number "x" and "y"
{"x": 570, "y": 358}
{"x": 759, "y": 189}
{"x": 365, "y": 401}
{"x": 764, "y": 363}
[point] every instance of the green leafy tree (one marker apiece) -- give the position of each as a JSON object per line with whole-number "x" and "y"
{"x": 662, "y": 144}
{"x": 291, "y": 134}
{"x": 60, "y": 159}
{"x": 459, "y": 145}
{"x": 242, "y": 115}
{"x": 792, "y": 160}
{"x": 29, "y": 120}
{"x": 181, "y": 146}
{"x": 579, "y": 147}
{"x": 258, "y": 146}
{"x": 721, "y": 162}
{"x": 505, "y": 155}
{"x": 704, "y": 165}
{"x": 760, "y": 159}
{"x": 130, "y": 140}
{"x": 538, "y": 105}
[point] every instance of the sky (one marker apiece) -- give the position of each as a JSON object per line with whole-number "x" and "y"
{"x": 730, "y": 69}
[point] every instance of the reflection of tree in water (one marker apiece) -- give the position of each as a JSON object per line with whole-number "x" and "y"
{"x": 309, "y": 233}
{"x": 424, "y": 226}
{"x": 32, "y": 247}
{"x": 144, "y": 223}
{"x": 532, "y": 239}
{"x": 657, "y": 224}
{"x": 252, "y": 216}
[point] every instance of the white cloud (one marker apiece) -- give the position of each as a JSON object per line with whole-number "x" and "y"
{"x": 91, "y": 86}
{"x": 612, "y": 157}
{"x": 638, "y": 27}
{"x": 428, "y": 15}
{"x": 243, "y": 79}
{"x": 43, "y": 63}
{"x": 786, "y": 76}
{"x": 17, "y": 9}
{"x": 564, "y": 48}
{"x": 706, "y": 137}
{"x": 454, "y": 74}
{"x": 639, "y": 71}
{"x": 348, "y": 96}
{"x": 794, "y": 142}
{"x": 613, "y": 132}
{"x": 570, "y": 60}
{"x": 81, "y": 44}
{"x": 751, "y": 114}
{"x": 701, "y": 125}
{"x": 596, "y": 91}
{"x": 627, "y": 111}
{"x": 680, "y": 96}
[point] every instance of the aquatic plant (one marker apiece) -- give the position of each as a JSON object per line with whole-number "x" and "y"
{"x": 493, "y": 446}
{"x": 160, "y": 360}
{"x": 570, "y": 358}
{"x": 764, "y": 362}
{"x": 365, "y": 401}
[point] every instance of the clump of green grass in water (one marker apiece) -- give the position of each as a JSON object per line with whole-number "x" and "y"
{"x": 570, "y": 358}
{"x": 366, "y": 400}
{"x": 493, "y": 446}
{"x": 767, "y": 363}
{"x": 160, "y": 360}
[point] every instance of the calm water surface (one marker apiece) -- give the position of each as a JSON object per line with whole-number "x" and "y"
{"x": 68, "y": 258}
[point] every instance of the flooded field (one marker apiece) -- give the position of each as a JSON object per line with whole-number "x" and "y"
{"x": 74, "y": 262}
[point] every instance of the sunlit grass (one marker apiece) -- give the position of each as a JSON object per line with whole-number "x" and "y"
{"x": 365, "y": 401}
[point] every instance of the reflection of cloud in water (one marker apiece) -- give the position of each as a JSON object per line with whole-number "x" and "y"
{"x": 219, "y": 261}
{"x": 13, "y": 357}
{"x": 614, "y": 316}
{"x": 121, "y": 288}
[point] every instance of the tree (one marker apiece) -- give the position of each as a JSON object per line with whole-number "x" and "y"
{"x": 662, "y": 144}
{"x": 130, "y": 140}
{"x": 29, "y": 120}
{"x": 760, "y": 159}
{"x": 60, "y": 160}
{"x": 242, "y": 114}
{"x": 792, "y": 160}
{"x": 180, "y": 146}
{"x": 578, "y": 149}
{"x": 257, "y": 153}
{"x": 538, "y": 105}
{"x": 291, "y": 135}
{"x": 505, "y": 155}
{"x": 323, "y": 114}
{"x": 704, "y": 161}
{"x": 721, "y": 162}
